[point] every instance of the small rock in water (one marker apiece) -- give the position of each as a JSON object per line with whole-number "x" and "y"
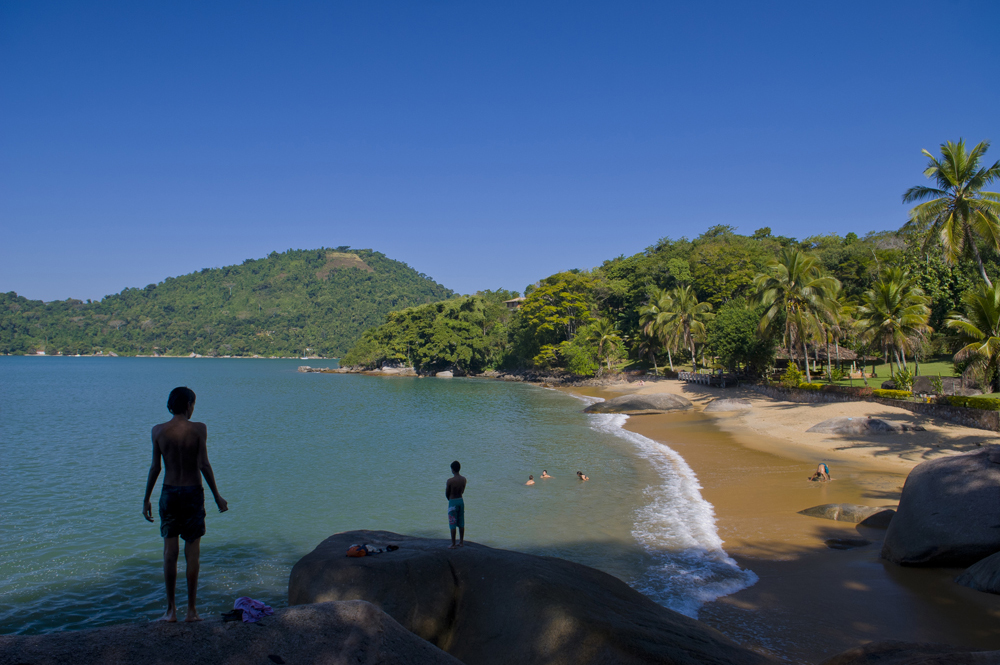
{"x": 843, "y": 512}
{"x": 641, "y": 404}
{"x": 984, "y": 575}
{"x": 879, "y": 520}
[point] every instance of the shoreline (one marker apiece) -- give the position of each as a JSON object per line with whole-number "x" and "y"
{"x": 811, "y": 601}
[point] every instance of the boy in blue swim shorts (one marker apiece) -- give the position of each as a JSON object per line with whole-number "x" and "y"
{"x": 453, "y": 491}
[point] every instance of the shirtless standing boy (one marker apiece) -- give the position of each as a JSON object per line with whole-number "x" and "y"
{"x": 453, "y": 491}
{"x": 182, "y": 445}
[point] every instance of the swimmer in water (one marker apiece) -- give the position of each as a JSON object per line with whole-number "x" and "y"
{"x": 531, "y": 480}
{"x": 545, "y": 474}
{"x": 579, "y": 474}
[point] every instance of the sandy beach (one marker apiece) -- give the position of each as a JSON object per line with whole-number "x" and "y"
{"x": 813, "y": 601}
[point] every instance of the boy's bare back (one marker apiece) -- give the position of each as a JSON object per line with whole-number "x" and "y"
{"x": 455, "y": 487}
{"x": 182, "y": 445}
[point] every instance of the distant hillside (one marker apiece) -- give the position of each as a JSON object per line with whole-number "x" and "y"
{"x": 321, "y": 300}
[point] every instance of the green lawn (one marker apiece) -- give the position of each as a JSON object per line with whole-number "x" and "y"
{"x": 940, "y": 366}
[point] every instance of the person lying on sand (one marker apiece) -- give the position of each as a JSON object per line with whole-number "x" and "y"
{"x": 531, "y": 480}
{"x": 181, "y": 444}
{"x": 579, "y": 474}
{"x": 545, "y": 474}
{"x": 822, "y": 473}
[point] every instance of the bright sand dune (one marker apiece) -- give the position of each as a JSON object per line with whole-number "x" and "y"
{"x": 812, "y": 601}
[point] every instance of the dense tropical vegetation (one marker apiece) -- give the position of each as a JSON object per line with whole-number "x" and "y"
{"x": 741, "y": 302}
{"x": 288, "y": 304}
{"x": 723, "y": 300}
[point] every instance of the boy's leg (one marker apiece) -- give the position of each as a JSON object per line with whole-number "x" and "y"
{"x": 461, "y": 536}
{"x": 453, "y": 536}
{"x": 192, "y": 552}
{"x": 171, "y": 549}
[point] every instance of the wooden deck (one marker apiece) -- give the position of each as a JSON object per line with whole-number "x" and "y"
{"x": 714, "y": 379}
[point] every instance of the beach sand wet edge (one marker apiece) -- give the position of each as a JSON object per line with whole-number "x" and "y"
{"x": 812, "y": 601}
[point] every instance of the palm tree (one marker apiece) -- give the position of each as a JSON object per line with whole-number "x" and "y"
{"x": 687, "y": 317}
{"x": 605, "y": 334}
{"x": 797, "y": 287}
{"x": 893, "y": 314}
{"x": 647, "y": 348}
{"x": 959, "y": 213}
{"x": 980, "y": 330}
{"x": 658, "y": 322}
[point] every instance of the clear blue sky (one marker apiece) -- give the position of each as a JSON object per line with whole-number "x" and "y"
{"x": 485, "y": 144}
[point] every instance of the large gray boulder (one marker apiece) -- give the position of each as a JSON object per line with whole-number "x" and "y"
{"x": 636, "y": 405}
{"x": 949, "y": 512}
{"x": 984, "y": 575}
{"x": 488, "y": 606}
{"x": 843, "y": 512}
{"x": 727, "y": 404}
{"x": 345, "y": 633}
{"x": 844, "y": 425}
{"x": 892, "y": 652}
{"x": 949, "y": 385}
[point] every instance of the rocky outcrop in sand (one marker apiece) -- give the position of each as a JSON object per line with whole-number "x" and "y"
{"x": 879, "y": 520}
{"x": 984, "y": 575}
{"x": 863, "y": 426}
{"x": 949, "y": 512}
{"x": 726, "y": 404}
{"x": 843, "y": 512}
{"x": 348, "y": 633}
{"x": 891, "y": 652}
{"x": 490, "y": 606}
{"x": 641, "y": 404}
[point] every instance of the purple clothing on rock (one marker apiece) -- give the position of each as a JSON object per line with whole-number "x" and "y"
{"x": 253, "y": 610}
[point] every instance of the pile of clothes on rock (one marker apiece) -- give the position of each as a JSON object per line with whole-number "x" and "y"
{"x": 366, "y": 550}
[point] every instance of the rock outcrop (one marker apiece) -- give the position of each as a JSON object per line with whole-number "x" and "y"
{"x": 863, "y": 426}
{"x": 641, "y": 404}
{"x": 949, "y": 386}
{"x": 984, "y": 575}
{"x": 891, "y": 652}
{"x": 489, "y": 606}
{"x": 949, "y": 512}
{"x": 879, "y": 520}
{"x": 346, "y": 633}
{"x": 843, "y": 512}
{"x": 726, "y": 404}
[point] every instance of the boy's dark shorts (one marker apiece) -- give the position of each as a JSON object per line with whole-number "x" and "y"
{"x": 182, "y": 511}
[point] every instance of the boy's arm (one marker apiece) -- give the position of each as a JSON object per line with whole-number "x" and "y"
{"x": 154, "y": 473}
{"x": 447, "y": 489}
{"x": 206, "y": 470}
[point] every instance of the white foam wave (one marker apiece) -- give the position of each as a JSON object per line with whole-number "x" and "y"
{"x": 677, "y": 528}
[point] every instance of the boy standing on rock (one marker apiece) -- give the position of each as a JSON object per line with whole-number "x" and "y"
{"x": 182, "y": 446}
{"x": 453, "y": 491}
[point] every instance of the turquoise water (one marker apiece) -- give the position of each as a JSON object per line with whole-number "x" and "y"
{"x": 302, "y": 456}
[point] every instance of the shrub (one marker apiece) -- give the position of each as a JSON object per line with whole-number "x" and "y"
{"x": 792, "y": 377}
{"x": 984, "y": 403}
{"x": 904, "y": 379}
{"x": 892, "y": 394}
{"x": 937, "y": 385}
{"x": 810, "y": 386}
{"x": 838, "y": 374}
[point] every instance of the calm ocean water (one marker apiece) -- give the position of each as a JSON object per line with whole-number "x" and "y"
{"x": 303, "y": 456}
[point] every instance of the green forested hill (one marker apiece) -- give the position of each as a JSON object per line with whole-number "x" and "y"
{"x": 282, "y": 305}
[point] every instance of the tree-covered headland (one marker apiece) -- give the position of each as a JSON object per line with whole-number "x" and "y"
{"x": 287, "y": 304}
{"x": 736, "y": 301}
